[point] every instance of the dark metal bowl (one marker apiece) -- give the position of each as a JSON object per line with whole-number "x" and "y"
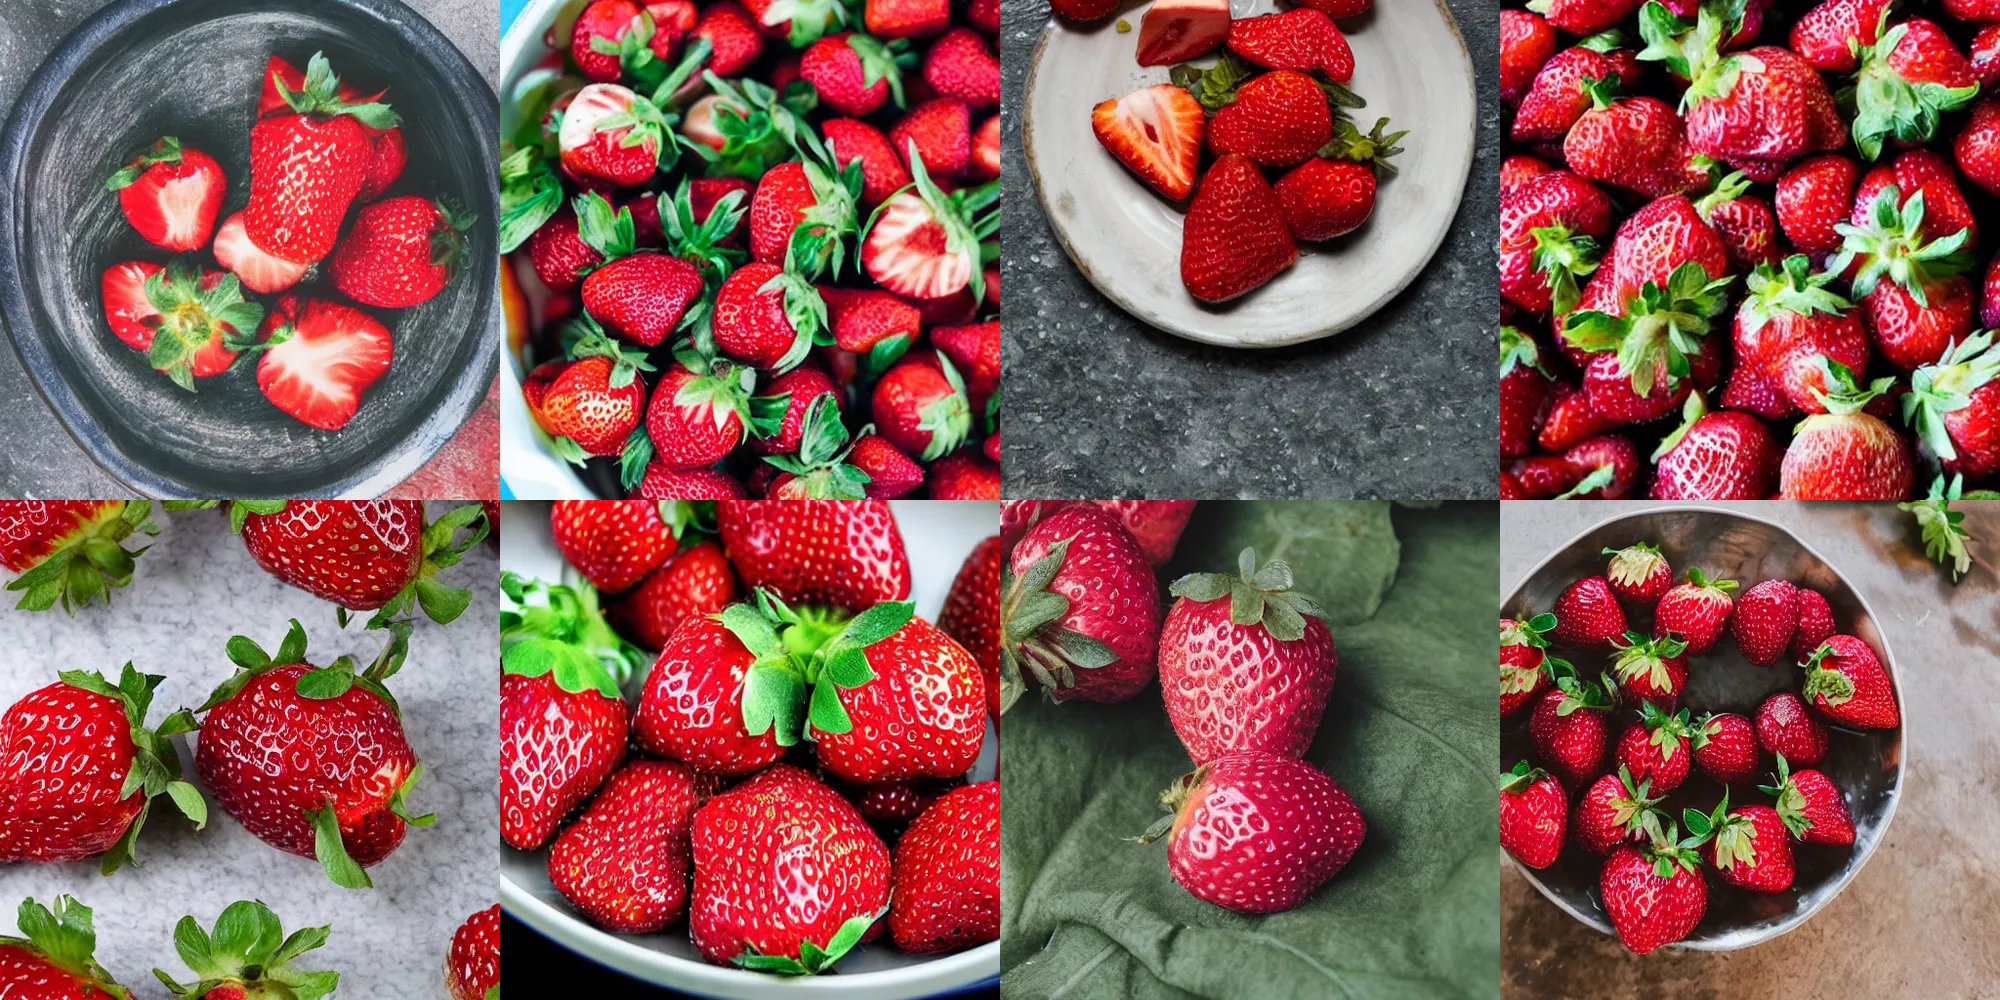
{"x": 1867, "y": 765}
{"x": 139, "y": 69}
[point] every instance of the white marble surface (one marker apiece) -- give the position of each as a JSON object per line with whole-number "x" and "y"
{"x": 194, "y": 589}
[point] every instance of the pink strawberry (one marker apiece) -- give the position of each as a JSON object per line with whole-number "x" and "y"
{"x": 319, "y": 357}
{"x": 1785, "y": 727}
{"x": 1309, "y": 829}
{"x": 1811, "y": 807}
{"x": 1638, "y": 572}
{"x": 1766, "y": 617}
{"x": 1533, "y": 813}
{"x": 945, "y": 893}
{"x": 260, "y": 272}
{"x": 1588, "y": 614}
{"x": 1725, "y": 748}
{"x": 1098, "y": 639}
{"x": 1848, "y": 685}
{"x": 1696, "y": 610}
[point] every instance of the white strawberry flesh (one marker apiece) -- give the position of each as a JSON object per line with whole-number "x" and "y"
{"x": 907, "y": 251}
{"x": 260, "y": 272}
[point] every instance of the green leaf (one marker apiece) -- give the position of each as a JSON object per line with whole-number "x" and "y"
{"x": 332, "y": 853}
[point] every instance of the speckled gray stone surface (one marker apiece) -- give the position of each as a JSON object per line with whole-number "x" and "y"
{"x": 1101, "y": 405}
{"x": 195, "y": 588}
{"x": 37, "y": 457}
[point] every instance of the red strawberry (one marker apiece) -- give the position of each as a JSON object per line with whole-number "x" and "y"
{"x": 81, "y": 770}
{"x": 1084, "y": 10}
{"x": 971, "y": 613}
{"x": 558, "y": 251}
{"x": 1583, "y": 17}
{"x": 715, "y": 675}
{"x": 882, "y": 171}
{"x": 307, "y": 166}
{"x": 1972, "y": 10}
{"x": 1715, "y": 456}
{"x": 642, "y": 298}
{"x": 613, "y": 543}
{"x": 920, "y": 406}
{"x": 1785, "y": 727}
{"x": 1156, "y": 132}
{"x": 364, "y": 555}
{"x": 171, "y": 193}
{"x": 1812, "y": 198}
{"x": 473, "y": 969}
{"x": 1914, "y": 172}
{"x": 1616, "y": 810}
{"x": 924, "y": 244}
{"x": 1977, "y": 147}
{"x": 1333, "y": 193}
{"x": 1638, "y": 572}
{"x": 53, "y": 958}
{"x": 845, "y": 554}
{"x": 1278, "y": 119}
{"x": 921, "y": 714}
{"x": 1519, "y": 169}
{"x": 964, "y": 475}
{"x": 946, "y": 890}
{"x": 1745, "y": 222}
{"x": 700, "y": 411}
{"x": 1526, "y": 43}
{"x": 826, "y": 467}
{"x": 960, "y": 65}
{"x": 1533, "y": 813}
{"x": 1526, "y": 669}
{"x": 1302, "y": 39}
{"x": 1633, "y": 143}
{"x": 1952, "y": 405}
{"x": 975, "y": 351}
{"x": 308, "y": 771}
{"x": 1910, "y": 76}
{"x": 232, "y": 966}
{"x": 1815, "y": 623}
{"x": 1549, "y": 227}
{"x": 1340, "y": 8}
{"x": 1651, "y": 673}
{"x": 1234, "y": 685}
{"x": 1832, "y": 34}
{"x": 1309, "y": 828}
{"x": 318, "y": 358}
{"x": 941, "y": 132}
{"x": 767, "y": 844}
{"x": 1725, "y": 748}
{"x": 401, "y": 252}
{"x": 1846, "y": 454}
{"x": 793, "y": 395}
{"x": 1789, "y": 322}
{"x": 1569, "y": 728}
{"x": 693, "y": 581}
{"x": 1810, "y": 805}
{"x": 1588, "y": 615}
{"x": 385, "y": 166}
{"x": 1541, "y": 477}
{"x": 732, "y": 36}
{"x": 1907, "y": 278}
{"x": 1099, "y": 641}
{"x": 562, "y": 723}
{"x": 662, "y": 483}
{"x": 1175, "y": 31}
{"x": 1560, "y": 92}
{"x": 69, "y": 549}
{"x": 1753, "y": 109}
{"x": 1606, "y": 467}
{"x": 1235, "y": 237}
{"x": 1751, "y": 391}
{"x": 853, "y": 73}
{"x": 863, "y": 318}
{"x": 1524, "y": 386}
{"x": 1655, "y": 749}
{"x": 584, "y": 407}
{"x": 624, "y": 864}
{"x": 611, "y": 137}
{"x": 609, "y": 38}
{"x": 190, "y": 322}
{"x": 1155, "y": 524}
{"x": 984, "y": 15}
{"x": 1747, "y": 845}
{"x": 1696, "y": 610}
{"x": 1764, "y": 621}
{"x": 1848, "y": 685}
{"x": 1654, "y": 895}
{"x": 1984, "y": 56}
{"x": 262, "y": 273}
{"x": 906, "y": 18}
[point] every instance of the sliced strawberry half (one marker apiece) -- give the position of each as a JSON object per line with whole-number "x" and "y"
{"x": 925, "y": 244}
{"x": 1156, "y": 132}
{"x": 131, "y": 315}
{"x": 319, "y": 357}
{"x": 187, "y": 319}
{"x": 171, "y": 194}
{"x": 260, "y": 272}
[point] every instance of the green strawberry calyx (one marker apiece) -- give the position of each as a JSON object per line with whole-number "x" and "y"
{"x": 191, "y": 317}
{"x": 821, "y": 468}
{"x": 68, "y": 940}
{"x": 1691, "y": 50}
{"x": 91, "y": 564}
{"x": 1660, "y": 327}
{"x": 1583, "y": 693}
{"x": 166, "y": 149}
{"x": 1791, "y": 803}
{"x": 1032, "y": 636}
{"x": 812, "y": 959}
{"x": 1533, "y": 632}
{"x": 1825, "y": 681}
{"x": 530, "y": 194}
{"x": 557, "y": 629}
{"x": 1943, "y": 528}
{"x": 817, "y": 246}
{"x": 1635, "y": 810}
{"x": 321, "y": 96}
{"x": 1790, "y": 288}
{"x": 1642, "y": 658}
{"x": 1516, "y": 680}
{"x": 249, "y": 951}
{"x": 1890, "y": 244}
{"x": 760, "y": 127}
{"x": 1563, "y": 255}
{"x": 1888, "y": 105}
{"x": 1667, "y": 730}
{"x": 837, "y": 660}
{"x": 1947, "y": 387}
{"x": 1175, "y": 800}
{"x": 774, "y": 685}
{"x": 1701, "y": 581}
{"x": 1519, "y": 779}
{"x": 1734, "y": 834}
{"x": 1668, "y": 850}
{"x": 947, "y": 418}
{"x": 807, "y": 21}
{"x": 1518, "y": 351}
{"x": 1256, "y": 596}
{"x": 700, "y": 243}
{"x": 156, "y": 766}
{"x": 805, "y": 311}
{"x": 1843, "y": 396}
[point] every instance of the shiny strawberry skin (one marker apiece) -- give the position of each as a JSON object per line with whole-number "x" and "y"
{"x": 843, "y": 553}
{"x": 1646, "y": 910}
{"x": 1587, "y": 614}
{"x": 922, "y": 716}
{"x": 355, "y": 553}
{"x": 1665, "y": 765}
{"x": 1815, "y": 799}
{"x": 1572, "y": 744}
{"x": 1696, "y": 612}
{"x": 624, "y": 864}
{"x": 1764, "y": 621}
{"x": 1785, "y": 726}
{"x": 1848, "y": 685}
{"x": 1771, "y": 868}
{"x": 474, "y": 963}
{"x": 1725, "y": 748}
{"x": 1609, "y": 814}
{"x": 1532, "y": 821}
{"x": 556, "y": 747}
{"x": 1815, "y": 623}
{"x": 693, "y": 581}
{"x": 946, "y": 883}
{"x": 304, "y": 173}
{"x": 691, "y": 709}
{"x": 389, "y": 257}
{"x": 1231, "y": 687}
{"x": 1113, "y": 598}
{"x": 971, "y": 613}
{"x": 613, "y": 543}
{"x": 1259, "y": 833}
{"x": 64, "y": 756}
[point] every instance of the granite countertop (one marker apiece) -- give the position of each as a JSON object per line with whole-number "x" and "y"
{"x": 1101, "y": 405}
{"x": 195, "y": 588}
{"x": 1919, "y": 919}
{"x": 38, "y": 458}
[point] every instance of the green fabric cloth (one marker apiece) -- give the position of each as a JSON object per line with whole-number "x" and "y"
{"x": 1410, "y": 732}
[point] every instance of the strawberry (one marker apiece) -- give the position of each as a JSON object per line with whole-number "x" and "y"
{"x": 1526, "y": 669}
{"x": 1235, "y": 237}
{"x": 1606, "y": 467}
{"x": 710, "y": 660}
{"x": 662, "y": 483}
{"x": 792, "y": 396}
{"x": 1908, "y": 78}
{"x": 1914, "y": 172}
{"x": 1753, "y": 109}
{"x": 1746, "y": 223}
{"x": 853, "y": 73}
{"x": 260, "y": 272}
{"x": 1696, "y": 610}
{"x": 306, "y": 166}
{"x": 624, "y": 863}
{"x": 1526, "y": 43}
{"x": 1305, "y": 829}
{"x": 1084, "y": 10}
{"x": 1848, "y": 685}
{"x": 940, "y": 131}
{"x": 1909, "y": 281}
{"x": 53, "y": 957}
{"x": 1725, "y": 748}
{"x": 733, "y": 38}
{"x": 1278, "y": 119}
{"x": 81, "y": 770}
{"x": 1333, "y": 193}
{"x": 1155, "y": 524}
{"x": 613, "y": 543}
{"x": 1533, "y": 813}
{"x": 971, "y": 613}
{"x": 826, "y": 467}
{"x": 1655, "y": 894}
{"x": 700, "y": 412}
{"x": 401, "y": 252}
{"x": 975, "y": 351}
{"x": 909, "y": 702}
{"x": 848, "y": 555}
{"x": 1587, "y": 614}
{"x": 984, "y": 15}
{"x": 1751, "y": 391}
{"x": 1655, "y": 749}
{"x": 189, "y": 321}
{"x": 69, "y": 549}
{"x": 1524, "y": 386}
{"x": 1549, "y": 228}
{"x": 390, "y": 156}
{"x": 1302, "y": 39}
{"x": 1633, "y": 143}
{"x": 1810, "y": 805}
{"x": 1812, "y": 198}
{"x": 1340, "y": 8}
{"x": 1984, "y": 56}
{"x": 1785, "y": 727}
{"x": 1789, "y": 321}
{"x": 1764, "y": 621}
{"x": 1831, "y": 35}
{"x": 1982, "y": 11}
{"x": 906, "y": 18}
{"x": 802, "y": 214}
{"x": 612, "y": 137}
{"x": 882, "y": 171}
{"x": 592, "y": 407}
{"x": 1977, "y": 147}
{"x": 472, "y": 971}
{"x": 1651, "y": 673}
{"x": 1583, "y": 17}
{"x": 945, "y": 893}
{"x": 1638, "y": 573}
{"x": 920, "y": 406}
{"x": 1175, "y": 31}
{"x": 1519, "y": 169}
{"x": 1098, "y": 639}
{"x": 1569, "y": 728}
{"x": 862, "y": 320}
{"x": 1846, "y": 454}
{"x": 642, "y": 298}
{"x": 1560, "y": 93}
{"x": 1953, "y": 403}
{"x": 1747, "y": 845}
{"x": 1716, "y": 456}
{"x": 693, "y": 581}
{"x": 559, "y": 252}
{"x": 964, "y": 475}
{"x": 1815, "y": 623}
{"x": 283, "y": 740}
{"x": 1542, "y": 477}
{"x": 248, "y": 955}
{"x": 1156, "y": 133}
{"x": 925, "y": 244}
{"x": 318, "y": 358}
{"x": 960, "y": 65}
{"x": 1234, "y": 684}
{"x": 610, "y": 38}
{"x": 562, "y": 722}
{"x": 1617, "y": 810}
{"x": 171, "y": 193}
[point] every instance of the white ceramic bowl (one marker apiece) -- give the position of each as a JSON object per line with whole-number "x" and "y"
{"x": 939, "y": 534}
{"x": 1410, "y": 65}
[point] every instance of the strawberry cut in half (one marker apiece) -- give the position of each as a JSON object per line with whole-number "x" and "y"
{"x": 171, "y": 194}
{"x": 925, "y": 244}
{"x": 319, "y": 357}
{"x": 1156, "y": 133}
{"x": 187, "y": 320}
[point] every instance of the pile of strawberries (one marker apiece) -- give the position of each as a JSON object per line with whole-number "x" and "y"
{"x": 317, "y": 149}
{"x": 750, "y": 231}
{"x": 800, "y": 744}
{"x": 1739, "y": 249}
{"x": 1245, "y": 666}
{"x": 1653, "y": 884}
{"x": 1275, "y": 101}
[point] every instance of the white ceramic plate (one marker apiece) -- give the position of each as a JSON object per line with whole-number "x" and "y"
{"x": 938, "y": 534}
{"x": 1410, "y": 64}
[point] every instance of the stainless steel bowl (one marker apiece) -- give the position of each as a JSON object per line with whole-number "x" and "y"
{"x": 1867, "y": 765}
